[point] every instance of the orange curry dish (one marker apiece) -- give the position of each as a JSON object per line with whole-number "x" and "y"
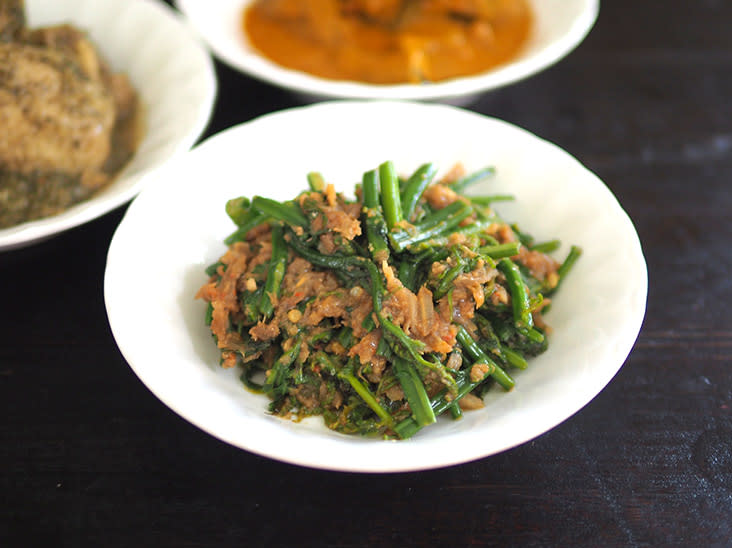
{"x": 388, "y": 41}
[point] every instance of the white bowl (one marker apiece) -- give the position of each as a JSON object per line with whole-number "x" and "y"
{"x": 155, "y": 267}
{"x": 171, "y": 71}
{"x": 560, "y": 25}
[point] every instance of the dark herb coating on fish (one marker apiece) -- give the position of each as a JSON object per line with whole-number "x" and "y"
{"x": 68, "y": 123}
{"x": 383, "y": 312}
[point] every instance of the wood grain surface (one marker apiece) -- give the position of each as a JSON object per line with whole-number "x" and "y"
{"x": 89, "y": 457}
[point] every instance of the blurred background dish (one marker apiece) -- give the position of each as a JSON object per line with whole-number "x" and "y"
{"x": 558, "y": 27}
{"x": 171, "y": 73}
{"x": 389, "y": 41}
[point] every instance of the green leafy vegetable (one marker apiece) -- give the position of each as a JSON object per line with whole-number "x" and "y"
{"x": 383, "y": 312}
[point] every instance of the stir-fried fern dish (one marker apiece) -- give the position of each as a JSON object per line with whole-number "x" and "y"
{"x": 384, "y": 311}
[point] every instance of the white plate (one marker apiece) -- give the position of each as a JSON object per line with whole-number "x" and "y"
{"x": 560, "y": 25}
{"x": 171, "y": 71}
{"x": 175, "y": 228}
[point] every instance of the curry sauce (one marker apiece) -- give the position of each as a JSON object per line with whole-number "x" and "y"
{"x": 389, "y": 42}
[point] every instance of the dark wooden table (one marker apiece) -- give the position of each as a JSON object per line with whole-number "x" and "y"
{"x": 89, "y": 457}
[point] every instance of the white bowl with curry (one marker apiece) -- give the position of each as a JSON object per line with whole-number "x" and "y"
{"x": 391, "y": 49}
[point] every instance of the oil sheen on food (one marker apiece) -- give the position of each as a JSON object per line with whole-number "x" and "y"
{"x": 389, "y": 41}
